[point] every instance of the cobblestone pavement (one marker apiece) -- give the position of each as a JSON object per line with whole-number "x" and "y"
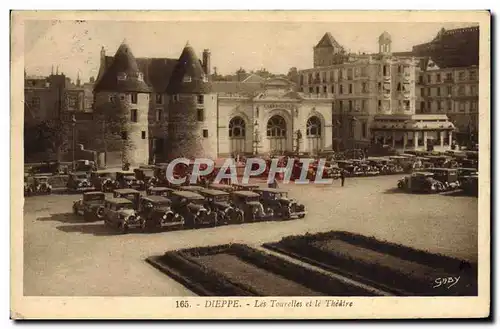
{"x": 64, "y": 256}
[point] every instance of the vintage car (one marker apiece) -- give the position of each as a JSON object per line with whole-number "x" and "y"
{"x": 146, "y": 175}
{"x": 127, "y": 179}
{"x": 421, "y": 182}
{"x": 160, "y": 190}
{"x": 249, "y": 203}
{"x": 40, "y": 185}
{"x": 245, "y": 187}
{"x": 79, "y": 182}
{"x": 28, "y": 185}
{"x": 129, "y": 194}
{"x": 221, "y": 187}
{"x": 103, "y": 180}
{"x": 90, "y": 206}
{"x": 282, "y": 206}
{"x": 220, "y": 202}
{"x": 156, "y": 212}
{"x": 190, "y": 207}
{"x": 466, "y": 172}
{"x": 119, "y": 213}
{"x": 160, "y": 175}
{"x": 48, "y": 168}
{"x": 84, "y": 165}
{"x": 447, "y": 176}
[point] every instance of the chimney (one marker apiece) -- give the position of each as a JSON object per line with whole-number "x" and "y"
{"x": 206, "y": 62}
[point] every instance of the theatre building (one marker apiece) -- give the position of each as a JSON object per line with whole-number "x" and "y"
{"x": 269, "y": 117}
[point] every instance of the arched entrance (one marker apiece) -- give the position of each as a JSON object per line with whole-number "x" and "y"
{"x": 276, "y": 133}
{"x": 314, "y": 134}
{"x": 237, "y": 135}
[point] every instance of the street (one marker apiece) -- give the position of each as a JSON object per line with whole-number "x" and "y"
{"x": 64, "y": 256}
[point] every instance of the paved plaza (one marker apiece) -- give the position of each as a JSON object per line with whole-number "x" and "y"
{"x": 65, "y": 256}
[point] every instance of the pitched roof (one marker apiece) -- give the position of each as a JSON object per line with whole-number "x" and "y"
{"x": 234, "y": 87}
{"x": 122, "y": 74}
{"x": 188, "y": 66}
{"x": 385, "y": 36}
{"x": 328, "y": 41}
{"x": 254, "y": 78}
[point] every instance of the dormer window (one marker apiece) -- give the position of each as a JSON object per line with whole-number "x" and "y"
{"x": 187, "y": 78}
{"x": 159, "y": 99}
{"x": 205, "y": 78}
{"x": 121, "y": 76}
{"x": 175, "y": 98}
{"x": 140, "y": 77}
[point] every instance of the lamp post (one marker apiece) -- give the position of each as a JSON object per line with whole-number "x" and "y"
{"x": 73, "y": 125}
{"x": 256, "y": 138}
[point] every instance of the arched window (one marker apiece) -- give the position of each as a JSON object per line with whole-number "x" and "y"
{"x": 237, "y": 128}
{"x": 313, "y": 126}
{"x": 276, "y": 127}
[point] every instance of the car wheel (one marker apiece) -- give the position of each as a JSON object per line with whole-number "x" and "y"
{"x": 87, "y": 216}
{"x": 189, "y": 223}
{"x": 240, "y": 218}
{"x": 123, "y": 228}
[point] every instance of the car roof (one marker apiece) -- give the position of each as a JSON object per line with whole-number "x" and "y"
{"x": 246, "y": 185}
{"x": 155, "y": 198}
{"x": 246, "y": 193}
{"x": 77, "y": 173}
{"x": 103, "y": 171}
{"x": 188, "y": 194}
{"x": 269, "y": 189}
{"x": 125, "y": 172}
{"x": 423, "y": 173}
{"x": 119, "y": 201}
{"x": 161, "y": 188}
{"x": 93, "y": 193}
{"x": 126, "y": 191}
{"x": 191, "y": 188}
{"x": 213, "y": 192}
{"x": 443, "y": 169}
{"x": 468, "y": 169}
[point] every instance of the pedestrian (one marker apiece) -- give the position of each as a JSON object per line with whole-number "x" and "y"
{"x": 342, "y": 177}
{"x": 273, "y": 183}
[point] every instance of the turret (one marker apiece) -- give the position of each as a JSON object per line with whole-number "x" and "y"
{"x": 384, "y": 43}
{"x": 192, "y": 109}
{"x": 206, "y": 62}
{"x": 122, "y": 102}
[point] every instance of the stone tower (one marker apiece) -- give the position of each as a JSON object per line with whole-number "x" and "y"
{"x": 192, "y": 126}
{"x": 121, "y": 105}
{"x": 384, "y": 43}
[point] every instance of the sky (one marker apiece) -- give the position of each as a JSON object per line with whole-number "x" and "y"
{"x": 74, "y": 46}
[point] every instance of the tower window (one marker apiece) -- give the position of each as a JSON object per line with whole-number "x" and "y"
{"x": 124, "y": 135}
{"x": 133, "y": 98}
{"x": 187, "y": 78}
{"x": 175, "y": 98}
{"x": 133, "y": 115}
{"x": 201, "y": 115}
{"x": 205, "y": 133}
{"x": 159, "y": 99}
{"x": 200, "y": 99}
{"x": 325, "y": 89}
{"x": 341, "y": 89}
{"x": 350, "y": 88}
{"x": 143, "y": 134}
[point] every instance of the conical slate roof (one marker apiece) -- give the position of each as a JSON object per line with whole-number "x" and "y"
{"x": 188, "y": 76}
{"x": 385, "y": 37}
{"x": 123, "y": 74}
{"x": 328, "y": 41}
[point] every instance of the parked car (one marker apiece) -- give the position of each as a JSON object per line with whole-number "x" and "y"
{"x": 129, "y": 194}
{"x": 189, "y": 206}
{"x": 447, "y": 176}
{"x": 84, "y": 165}
{"x": 127, "y": 179}
{"x": 90, "y": 206}
{"x": 145, "y": 174}
{"x": 245, "y": 187}
{"x": 220, "y": 202}
{"x": 119, "y": 213}
{"x": 79, "y": 182}
{"x": 156, "y": 212}
{"x": 40, "y": 185}
{"x": 103, "y": 180}
{"x": 282, "y": 206}
{"x": 160, "y": 190}
{"x": 28, "y": 185}
{"x": 249, "y": 203}
{"x": 421, "y": 182}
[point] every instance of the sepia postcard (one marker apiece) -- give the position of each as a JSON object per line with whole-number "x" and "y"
{"x": 250, "y": 165}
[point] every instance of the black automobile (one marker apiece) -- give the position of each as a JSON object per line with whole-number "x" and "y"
{"x": 79, "y": 182}
{"x": 190, "y": 206}
{"x": 282, "y": 206}
{"x": 220, "y": 202}
{"x": 127, "y": 179}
